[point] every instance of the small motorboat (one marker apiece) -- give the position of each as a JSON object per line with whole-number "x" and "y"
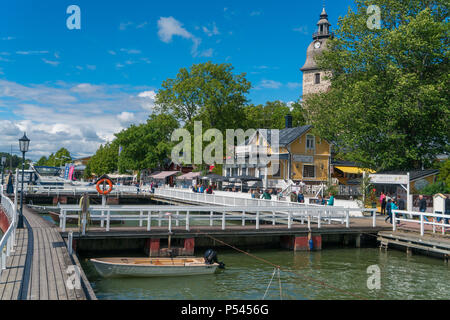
{"x": 55, "y": 217}
{"x": 157, "y": 267}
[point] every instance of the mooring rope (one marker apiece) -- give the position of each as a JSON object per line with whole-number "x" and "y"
{"x": 267, "y": 289}
{"x": 309, "y": 279}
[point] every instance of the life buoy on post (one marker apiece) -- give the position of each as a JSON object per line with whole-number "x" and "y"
{"x": 100, "y": 182}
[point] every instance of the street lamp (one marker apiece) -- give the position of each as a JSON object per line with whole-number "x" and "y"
{"x": 3, "y": 167}
{"x": 24, "y": 143}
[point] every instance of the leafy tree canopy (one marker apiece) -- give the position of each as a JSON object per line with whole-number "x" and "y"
{"x": 388, "y": 103}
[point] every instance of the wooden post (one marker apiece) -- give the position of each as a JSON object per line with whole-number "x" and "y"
{"x": 64, "y": 221}
{"x": 211, "y": 218}
{"x": 374, "y": 218}
{"x": 102, "y": 222}
{"x": 347, "y": 219}
{"x": 177, "y": 222}
{"x": 273, "y": 218}
{"x": 318, "y": 219}
{"x": 243, "y": 218}
{"x": 187, "y": 221}
{"x": 421, "y": 224}
{"x": 394, "y": 221}
{"x": 141, "y": 215}
{"x": 108, "y": 221}
{"x": 289, "y": 220}
{"x": 257, "y": 220}
{"x": 223, "y": 220}
{"x": 70, "y": 242}
{"x": 149, "y": 220}
{"x": 309, "y": 222}
{"x": 159, "y": 219}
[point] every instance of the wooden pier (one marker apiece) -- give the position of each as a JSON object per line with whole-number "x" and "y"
{"x": 40, "y": 268}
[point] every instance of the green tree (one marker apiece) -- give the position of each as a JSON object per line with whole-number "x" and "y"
{"x": 104, "y": 160}
{"x": 147, "y": 145}
{"x": 42, "y": 161}
{"x": 62, "y": 156}
{"x": 208, "y": 92}
{"x": 387, "y": 107}
{"x": 272, "y": 115}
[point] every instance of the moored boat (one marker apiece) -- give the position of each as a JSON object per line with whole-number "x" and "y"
{"x": 153, "y": 267}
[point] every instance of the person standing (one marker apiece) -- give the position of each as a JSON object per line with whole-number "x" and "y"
{"x": 383, "y": 203}
{"x": 330, "y": 200}
{"x": 301, "y": 197}
{"x": 423, "y": 205}
{"x": 266, "y": 195}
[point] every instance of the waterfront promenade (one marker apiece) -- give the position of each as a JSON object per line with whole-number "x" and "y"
{"x": 38, "y": 269}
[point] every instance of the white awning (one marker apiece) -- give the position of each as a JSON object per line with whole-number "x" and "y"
{"x": 189, "y": 176}
{"x": 164, "y": 174}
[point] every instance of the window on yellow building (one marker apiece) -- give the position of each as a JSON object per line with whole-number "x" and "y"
{"x": 310, "y": 142}
{"x": 309, "y": 171}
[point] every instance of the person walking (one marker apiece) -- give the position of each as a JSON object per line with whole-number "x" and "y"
{"x": 293, "y": 197}
{"x": 423, "y": 205}
{"x": 9, "y": 184}
{"x": 389, "y": 211}
{"x": 301, "y": 197}
{"x": 383, "y": 203}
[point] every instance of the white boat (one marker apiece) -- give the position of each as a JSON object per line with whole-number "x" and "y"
{"x": 152, "y": 267}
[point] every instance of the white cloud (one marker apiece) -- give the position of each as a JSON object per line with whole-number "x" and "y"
{"x": 125, "y": 25}
{"x": 302, "y": 30}
{"x": 207, "y": 53}
{"x": 53, "y": 63}
{"x": 168, "y": 27}
{"x": 269, "y": 84}
{"x": 147, "y": 99}
{"x": 130, "y": 51}
{"x": 31, "y": 52}
{"x": 256, "y": 13}
{"x": 77, "y": 116}
{"x": 8, "y": 38}
{"x": 126, "y": 117}
{"x": 294, "y": 85}
{"x": 91, "y": 67}
{"x": 211, "y": 32}
{"x": 112, "y": 52}
{"x": 139, "y": 26}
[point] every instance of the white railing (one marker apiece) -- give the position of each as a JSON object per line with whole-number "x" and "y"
{"x": 422, "y": 221}
{"x": 227, "y": 199}
{"x": 7, "y": 242}
{"x": 76, "y": 190}
{"x": 189, "y": 215}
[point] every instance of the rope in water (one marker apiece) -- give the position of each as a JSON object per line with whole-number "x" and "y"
{"x": 273, "y": 275}
{"x": 285, "y": 270}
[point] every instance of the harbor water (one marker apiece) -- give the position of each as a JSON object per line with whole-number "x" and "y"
{"x": 335, "y": 273}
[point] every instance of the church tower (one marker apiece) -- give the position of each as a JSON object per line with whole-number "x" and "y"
{"x": 313, "y": 77}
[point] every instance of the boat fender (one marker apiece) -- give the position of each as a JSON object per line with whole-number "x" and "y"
{"x": 311, "y": 244}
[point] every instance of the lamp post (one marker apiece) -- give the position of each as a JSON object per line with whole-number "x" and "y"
{"x": 3, "y": 167}
{"x": 24, "y": 143}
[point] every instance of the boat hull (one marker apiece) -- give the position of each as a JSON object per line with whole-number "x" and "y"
{"x": 111, "y": 269}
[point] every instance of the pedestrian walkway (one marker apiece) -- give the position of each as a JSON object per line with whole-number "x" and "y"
{"x": 40, "y": 267}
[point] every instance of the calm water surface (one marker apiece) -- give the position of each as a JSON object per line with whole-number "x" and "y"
{"x": 402, "y": 277}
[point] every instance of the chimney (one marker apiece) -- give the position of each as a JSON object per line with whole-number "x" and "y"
{"x": 288, "y": 119}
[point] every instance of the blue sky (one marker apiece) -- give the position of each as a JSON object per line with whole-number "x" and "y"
{"x": 75, "y": 88}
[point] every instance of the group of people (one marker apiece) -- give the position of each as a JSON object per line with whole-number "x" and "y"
{"x": 201, "y": 188}
{"x": 389, "y": 203}
{"x": 259, "y": 194}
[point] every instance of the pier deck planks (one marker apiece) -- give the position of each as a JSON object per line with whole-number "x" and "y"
{"x": 47, "y": 270}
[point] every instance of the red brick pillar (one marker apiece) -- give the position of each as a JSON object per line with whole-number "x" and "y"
{"x": 317, "y": 242}
{"x": 152, "y": 247}
{"x": 189, "y": 245}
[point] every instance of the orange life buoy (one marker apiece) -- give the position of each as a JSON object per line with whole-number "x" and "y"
{"x": 109, "y": 182}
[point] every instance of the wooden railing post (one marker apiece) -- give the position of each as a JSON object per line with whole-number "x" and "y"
{"x": 108, "y": 220}
{"x": 149, "y": 220}
{"x": 421, "y": 225}
{"x": 289, "y": 220}
{"x": 394, "y": 221}
{"x": 374, "y": 218}
{"x": 141, "y": 215}
{"x": 211, "y": 222}
{"x": 243, "y": 218}
{"x": 187, "y": 221}
{"x": 223, "y": 220}
{"x": 257, "y": 220}
{"x": 319, "y": 219}
{"x": 347, "y": 219}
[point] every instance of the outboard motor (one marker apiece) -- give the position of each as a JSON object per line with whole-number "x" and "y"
{"x": 211, "y": 257}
